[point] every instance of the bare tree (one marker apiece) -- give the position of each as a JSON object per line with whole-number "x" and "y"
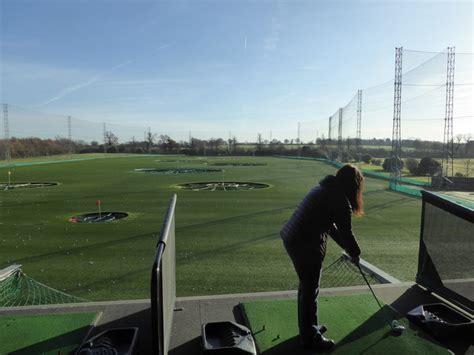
{"x": 468, "y": 152}
{"x": 150, "y": 139}
{"x": 111, "y": 140}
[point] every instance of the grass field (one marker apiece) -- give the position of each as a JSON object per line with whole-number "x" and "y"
{"x": 227, "y": 241}
{"x": 458, "y": 166}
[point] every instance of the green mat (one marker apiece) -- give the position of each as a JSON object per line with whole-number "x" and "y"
{"x": 43, "y": 334}
{"x": 355, "y": 322}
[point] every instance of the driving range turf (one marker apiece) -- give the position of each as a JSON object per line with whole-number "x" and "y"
{"x": 354, "y": 322}
{"x": 49, "y": 334}
{"x": 227, "y": 241}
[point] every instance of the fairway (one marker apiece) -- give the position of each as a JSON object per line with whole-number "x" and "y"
{"x": 227, "y": 241}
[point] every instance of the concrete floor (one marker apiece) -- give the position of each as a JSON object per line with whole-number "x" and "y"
{"x": 192, "y": 312}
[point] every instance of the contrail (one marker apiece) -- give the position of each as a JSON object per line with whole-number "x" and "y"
{"x": 82, "y": 85}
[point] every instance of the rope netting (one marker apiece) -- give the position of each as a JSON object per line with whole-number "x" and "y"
{"x": 342, "y": 273}
{"x": 18, "y": 289}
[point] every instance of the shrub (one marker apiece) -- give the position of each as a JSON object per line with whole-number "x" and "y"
{"x": 429, "y": 166}
{"x": 412, "y": 165}
{"x": 376, "y": 162}
{"x": 387, "y": 163}
{"x": 459, "y": 174}
{"x": 366, "y": 158}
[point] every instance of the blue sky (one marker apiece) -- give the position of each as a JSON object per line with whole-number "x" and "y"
{"x": 210, "y": 67}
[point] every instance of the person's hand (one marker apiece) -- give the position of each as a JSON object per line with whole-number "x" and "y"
{"x": 355, "y": 260}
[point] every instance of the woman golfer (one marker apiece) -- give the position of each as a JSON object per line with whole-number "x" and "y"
{"x": 326, "y": 210}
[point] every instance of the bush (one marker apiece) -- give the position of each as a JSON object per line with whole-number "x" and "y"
{"x": 376, "y": 162}
{"x": 429, "y": 166}
{"x": 387, "y": 163}
{"x": 412, "y": 166}
{"x": 366, "y": 158}
{"x": 459, "y": 174}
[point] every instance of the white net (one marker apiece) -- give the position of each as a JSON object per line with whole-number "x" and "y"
{"x": 18, "y": 289}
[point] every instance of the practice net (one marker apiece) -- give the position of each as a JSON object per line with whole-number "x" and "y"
{"x": 19, "y": 289}
{"x": 342, "y": 273}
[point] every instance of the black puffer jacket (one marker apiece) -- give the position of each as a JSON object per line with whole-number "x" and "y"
{"x": 324, "y": 210}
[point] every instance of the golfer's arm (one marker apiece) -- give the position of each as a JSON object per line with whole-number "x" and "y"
{"x": 346, "y": 236}
{"x": 336, "y": 236}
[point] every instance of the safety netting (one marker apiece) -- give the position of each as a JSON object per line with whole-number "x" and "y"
{"x": 19, "y": 289}
{"x": 342, "y": 273}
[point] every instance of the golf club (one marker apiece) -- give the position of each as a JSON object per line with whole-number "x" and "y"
{"x": 395, "y": 326}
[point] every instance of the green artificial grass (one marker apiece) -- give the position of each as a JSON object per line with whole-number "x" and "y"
{"x": 354, "y": 322}
{"x": 226, "y": 241}
{"x": 44, "y": 334}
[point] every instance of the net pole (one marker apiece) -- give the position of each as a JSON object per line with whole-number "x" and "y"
{"x": 395, "y": 159}
{"x": 448, "y": 146}
{"x": 359, "y": 123}
{"x": 6, "y": 132}
{"x": 339, "y": 136}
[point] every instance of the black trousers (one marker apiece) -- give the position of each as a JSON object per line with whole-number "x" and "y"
{"x": 307, "y": 259}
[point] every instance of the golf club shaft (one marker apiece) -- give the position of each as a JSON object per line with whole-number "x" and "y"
{"x": 373, "y": 294}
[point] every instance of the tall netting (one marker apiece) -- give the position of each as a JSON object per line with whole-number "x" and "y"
{"x": 423, "y": 95}
{"x": 25, "y": 123}
{"x": 423, "y": 100}
{"x": 18, "y": 289}
{"x": 311, "y": 131}
{"x": 446, "y": 265}
{"x": 349, "y": 121}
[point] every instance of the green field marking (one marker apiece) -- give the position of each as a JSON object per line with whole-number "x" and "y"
{"x": 66, "y": 159}
{"x": 44, "y": 334}
{"x": 354, "y": 322}
{"x": 226, "y": 241}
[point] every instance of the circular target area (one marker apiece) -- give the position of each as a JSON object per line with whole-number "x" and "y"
{"x": 25, "y": 185}
{"x": 181, "y": 161}
{"x": 176, "y": 170}
{"x": 237, "y": 164}
{"x": 223, "y": 186}
{"x": 98, "y": 217}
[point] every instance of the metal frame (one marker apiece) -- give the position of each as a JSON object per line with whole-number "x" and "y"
{"x": 448, "y": 143}
{"x": 6, "y": 132}
{"x": 339, "y": 136}
{"x": 395, "y": 169}
{"x": 162, "y": 300}
{"x": 359, "y": 122}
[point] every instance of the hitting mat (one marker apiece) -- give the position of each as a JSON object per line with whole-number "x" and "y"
{"x": 44, "y": 334}
{"x": 354, "y": 322}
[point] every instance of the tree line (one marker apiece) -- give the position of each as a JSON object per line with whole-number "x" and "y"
{"x": 349, "y": 151}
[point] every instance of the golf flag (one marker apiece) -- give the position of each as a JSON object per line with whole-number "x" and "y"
{"x": 97, "y": 203}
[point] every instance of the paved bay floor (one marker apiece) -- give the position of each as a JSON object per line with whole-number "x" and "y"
{"x": 192, "y": 312}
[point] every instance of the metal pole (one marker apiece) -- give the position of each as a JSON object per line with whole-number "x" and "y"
{"x": 448, "y": 146}
{"x": 69, "y": 133}
{"x": 329, "y": 132}
{"x": 395, "y": 168}
{"x": 359, "y": 122}
{"x": 6, "y": 131}
{"x": 105, "y": 138}
{"x": 339, "y": 136}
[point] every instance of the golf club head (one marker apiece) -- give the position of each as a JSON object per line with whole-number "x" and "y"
{"x": 396, "y": 327}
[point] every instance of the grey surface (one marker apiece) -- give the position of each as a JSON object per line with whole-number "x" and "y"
{"x": 192, "y": 312}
